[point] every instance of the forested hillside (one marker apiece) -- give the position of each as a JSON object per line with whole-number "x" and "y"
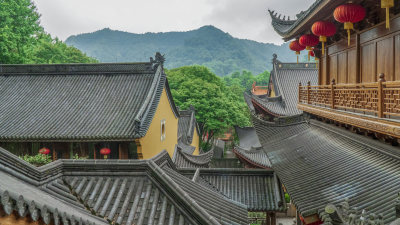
{"x": 207, "y": 46}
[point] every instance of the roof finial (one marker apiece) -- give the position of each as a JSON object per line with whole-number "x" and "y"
{"x": 159, "y": 60}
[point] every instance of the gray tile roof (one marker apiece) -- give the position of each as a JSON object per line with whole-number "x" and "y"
{"x": 226, "y": 211}
{"x": 247, "y": 137}
{"x": 258, "y": 189}
{"x": 321, "y": 164}
{"x": 79, "y": 101}
{"x": 286, "y": 78}
{"x": 255, "y": 157}
{"x": 183, "y": 159}
{"x": 111, "y": 191}
{"x": 187, "y": 124}
{"x": 219, "y": 147}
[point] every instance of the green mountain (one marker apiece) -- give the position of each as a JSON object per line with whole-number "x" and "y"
{"x": 206, "y": 46}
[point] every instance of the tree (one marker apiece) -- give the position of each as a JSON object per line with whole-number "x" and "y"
{"x": 23, "y": 40}
{"x": 217, "y": 107}
{"x": 19, "y": 27}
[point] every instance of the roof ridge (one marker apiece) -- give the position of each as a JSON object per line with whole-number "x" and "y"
{"x": 190, "y": 157}
{"x": 75, "y": 68}
{"x": 143, "y": 111}
{"x": 181, "y": 194}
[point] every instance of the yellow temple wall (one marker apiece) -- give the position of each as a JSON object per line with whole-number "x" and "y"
{"x": 196, "y": 142}
{"x": 151, "y": 144}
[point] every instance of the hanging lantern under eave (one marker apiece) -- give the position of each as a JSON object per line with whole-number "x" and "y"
{"x": 309, "y": 40}
{"x": 386, "y": 4}
{"x": 323, "y": 29}
{"x": 312, "y": 54}
{"x": 297, "y": 47}
{"x": 105, "y": 152}
{"x": 44, "y": 151}
{"x": 349, "y": 14}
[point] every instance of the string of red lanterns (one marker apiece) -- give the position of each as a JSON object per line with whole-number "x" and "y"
{"x": 297, "y": 47}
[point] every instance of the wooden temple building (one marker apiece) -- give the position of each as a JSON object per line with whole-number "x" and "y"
{"x": 341, "y": 143}
{"x": 80, "y": 108}
{"x": 279, "y": 105}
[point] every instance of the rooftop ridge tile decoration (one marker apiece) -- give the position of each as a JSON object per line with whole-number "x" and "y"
{"x": 108, "y": 192}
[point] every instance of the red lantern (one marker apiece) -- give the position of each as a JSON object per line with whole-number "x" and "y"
{"x": 323, "y": 29}
{"x": 105, "y": 152}
{"x": 308, "y": 40}
{"x": 348, "y": 14}
{"x": 44, "y": 151}
{"x": 297, "y": 47}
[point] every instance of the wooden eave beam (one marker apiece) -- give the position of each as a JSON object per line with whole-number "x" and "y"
{"x": 323, "y": 12}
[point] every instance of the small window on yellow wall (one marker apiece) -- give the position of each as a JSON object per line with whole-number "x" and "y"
{"x": 162, "y": 130}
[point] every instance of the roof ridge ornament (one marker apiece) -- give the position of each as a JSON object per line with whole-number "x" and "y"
{"x": 159, "y": 60}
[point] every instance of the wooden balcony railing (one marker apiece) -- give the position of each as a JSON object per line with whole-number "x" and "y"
{"x": 381, "y": 99}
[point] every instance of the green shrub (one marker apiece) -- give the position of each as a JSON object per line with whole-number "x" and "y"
{"x": 37, "y": 160}
{"x": 76, "y": 156}
{"x": 287, "y": 198}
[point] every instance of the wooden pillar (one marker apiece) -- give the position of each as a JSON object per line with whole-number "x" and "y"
{"x": 299, "y": 100}
{"x": 333, "y": 94}
{"x": 273, "y": 218}
{"x": 381, "y": 96}
{"x": 268, "y": 218}
{"x": 308, "y": 92}
{"x": 327, "y": 77}
{"x": 298, "y": 220}
{"x": 358, "y": 60}
{"x": 71, "y": 150}
{"x": 92, "y": 147}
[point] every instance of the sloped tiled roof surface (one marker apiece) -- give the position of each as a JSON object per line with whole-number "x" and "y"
{"x": 187, "y": 124}
{"x": 255, "y": 157}
{"x": 214, "y": 203}
{"x": 321, "y": 164}
{"x": 258, "y": 189}
{"x": 111, "y": 192}
{"x": 78, "y": 101}
{"x": 286, "y": 78}
{"x": 183, "y": 159}
{"x": 247, "y": 137}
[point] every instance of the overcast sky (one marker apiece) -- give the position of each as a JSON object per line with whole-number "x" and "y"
{"x": 247, "y": 19}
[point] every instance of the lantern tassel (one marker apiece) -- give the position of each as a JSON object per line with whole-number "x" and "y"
{"x": 309, "y": 56}
{"x": 297, "y": 59}
{"x": 348, "y": 37}
{"x": 323, "y": 48}
{"x": 387, "y": 18}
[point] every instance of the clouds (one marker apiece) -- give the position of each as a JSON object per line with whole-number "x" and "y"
{"x": 242, "y": 18}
